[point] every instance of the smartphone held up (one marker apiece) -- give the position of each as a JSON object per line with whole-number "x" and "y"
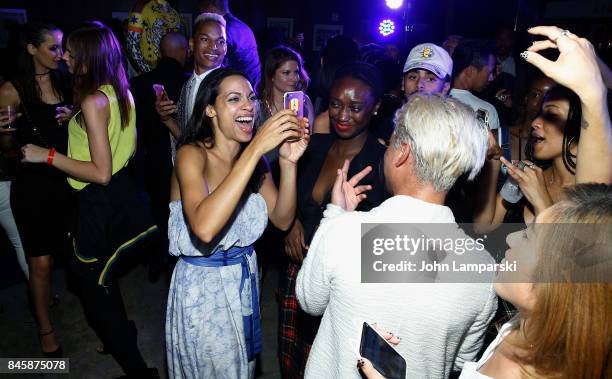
{"x": 295, "y": 101}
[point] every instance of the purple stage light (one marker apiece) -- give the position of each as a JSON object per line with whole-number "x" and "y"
{"x": 394, "y": 4}
{"x": 386, "y": 27}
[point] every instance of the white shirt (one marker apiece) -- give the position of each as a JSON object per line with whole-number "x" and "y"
{"x": 478, "y": 105}
{"x": 470, "y": 369}
{"x": 441, "y": 325}
{"x": 195, "y": 82}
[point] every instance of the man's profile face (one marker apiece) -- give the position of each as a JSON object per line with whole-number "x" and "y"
{"x": 484, "y": 75}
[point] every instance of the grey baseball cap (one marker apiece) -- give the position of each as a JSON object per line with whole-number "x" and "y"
{"x": 430, "y": 57}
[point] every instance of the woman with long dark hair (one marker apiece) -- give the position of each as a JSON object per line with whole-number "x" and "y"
{"x": 283, "y": 71}
{"x": 40, "y": 198}
{"x": 221, "y": 201}
{"x": 110, "y": 216}
{"x": 554, "y": 139}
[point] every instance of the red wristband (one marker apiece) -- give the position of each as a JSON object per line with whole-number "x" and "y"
{"x": 50, "y": 156}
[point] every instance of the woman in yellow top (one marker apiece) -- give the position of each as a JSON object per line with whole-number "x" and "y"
{"x": 101, "y": 141}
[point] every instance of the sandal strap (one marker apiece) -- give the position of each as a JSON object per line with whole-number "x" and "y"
{"x": 46, "y": 334}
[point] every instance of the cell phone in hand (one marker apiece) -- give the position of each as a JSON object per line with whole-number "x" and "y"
{"x": 160, "y": 90}
{"x": 385, "y": 359}
{"x": 294, "y": 101}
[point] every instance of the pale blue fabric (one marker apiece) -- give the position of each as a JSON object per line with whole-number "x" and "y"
{"x": 7, "y": 221}
{"x": 204, "y": 318}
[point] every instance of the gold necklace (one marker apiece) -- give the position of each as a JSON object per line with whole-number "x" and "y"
{"x": 270, "y": 108}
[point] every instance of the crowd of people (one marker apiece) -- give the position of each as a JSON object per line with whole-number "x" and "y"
{"x": 196, "y": 157}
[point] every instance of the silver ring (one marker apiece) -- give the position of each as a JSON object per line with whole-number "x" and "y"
{"x": 564, "y": 33}
{"x": 531, "y": 166}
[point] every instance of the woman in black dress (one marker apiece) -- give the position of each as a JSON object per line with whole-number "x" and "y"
{"x": 40, "y": 197}
{"x": 354, "y": 99}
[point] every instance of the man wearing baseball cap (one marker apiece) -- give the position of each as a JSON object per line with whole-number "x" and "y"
{"x": 428, "y": 69}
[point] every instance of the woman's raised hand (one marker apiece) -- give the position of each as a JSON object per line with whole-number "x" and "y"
{"x": 576, "y": 67}
{"x": 291, "y": 150}
{"x": 347, "y": 193}
{"x": 278, "y": 128}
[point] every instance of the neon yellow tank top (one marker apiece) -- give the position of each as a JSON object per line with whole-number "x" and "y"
{"x": 122, "y": 140}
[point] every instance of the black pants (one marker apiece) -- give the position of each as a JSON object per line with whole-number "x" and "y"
{"x": 107, "y": 217}
{"x": 159, "y": 193}
{"x": 106, "y": 313}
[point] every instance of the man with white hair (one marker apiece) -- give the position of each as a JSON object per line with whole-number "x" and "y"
{"x": 441, "y": 324}
{"x": 209, "y": 47}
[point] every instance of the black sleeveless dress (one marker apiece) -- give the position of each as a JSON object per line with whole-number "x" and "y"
{"x": 40, "y": 195}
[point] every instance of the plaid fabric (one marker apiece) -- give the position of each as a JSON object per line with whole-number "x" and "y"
{"x": 297, "y": 329}
{"x": 505, "y": 312}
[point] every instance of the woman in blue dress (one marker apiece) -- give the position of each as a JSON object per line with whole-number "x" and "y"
{"x": 222, "y": 198}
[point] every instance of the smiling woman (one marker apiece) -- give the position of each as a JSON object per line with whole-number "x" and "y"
{"x": 354, "y": 99}
{"x": 283, "y": 71}
{"x": 221, "y": 201}
{"x": 41, "y": 94}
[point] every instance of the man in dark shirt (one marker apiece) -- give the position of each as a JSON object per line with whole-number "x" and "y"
{"x": 241, "y": 45}
{"x": 154, "y": 153}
